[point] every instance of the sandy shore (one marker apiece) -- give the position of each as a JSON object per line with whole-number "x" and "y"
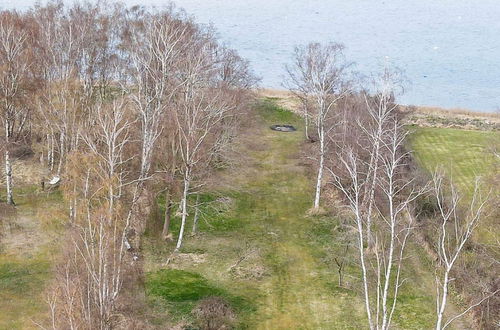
{"x": 421, "y": 115}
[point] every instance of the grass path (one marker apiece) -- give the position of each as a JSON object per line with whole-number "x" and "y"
{"x": 297, "y": 286}
{"x": 272, "y": 193}
{"x": 297, "y": 295}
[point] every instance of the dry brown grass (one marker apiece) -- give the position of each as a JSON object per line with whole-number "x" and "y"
{"x": 454, "y": 112}
{"x": 284, "y": 98}
{"x": 424, "y": 116}
{"x": 27, "y": 172}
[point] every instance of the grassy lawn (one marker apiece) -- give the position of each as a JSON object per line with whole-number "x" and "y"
{"x": 255, "y": 212}
{"x": 27, "y": 236}
{"x": 464, "y": 156}
{"x": 461, "y": 153}
{"x": 21, "y": 291}
{"x": 289, "y": 279}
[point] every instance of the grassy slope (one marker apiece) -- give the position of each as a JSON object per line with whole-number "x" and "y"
{"x": 272, "y": 193}
{"x": 461, "y": 153}
{"x": 464, "y": 156}
{"x": 295, "y": 287}
{"x": 25, "y": 257}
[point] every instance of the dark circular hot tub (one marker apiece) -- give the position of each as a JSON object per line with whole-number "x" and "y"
{"x": 283, "y": 128}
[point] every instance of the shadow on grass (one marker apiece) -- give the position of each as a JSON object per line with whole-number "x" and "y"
{"x": 179, "y": 291}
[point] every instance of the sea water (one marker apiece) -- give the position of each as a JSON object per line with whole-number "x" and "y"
{"x": 448, "y": 49}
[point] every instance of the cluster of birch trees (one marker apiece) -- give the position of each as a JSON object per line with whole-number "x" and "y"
{"x": 360, "y": 144}
{"x": 109, "y": 98}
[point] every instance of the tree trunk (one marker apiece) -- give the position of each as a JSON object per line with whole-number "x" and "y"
{"x": 168, "y": 216}
{"x": 341, "y": 278}
{"x": 196, "y": 215}
{"x": 8, "y": 178}
{"x": 374, "y": 165}
{"x": 320, "y": 169}
{"x": 364, "y": 271}
{"x": 62, "y": 153}
{"x": 184, "y": 210}
{"x": 387, "y": 275}
{"x": 442, "y": 303}
{"x": 51, "y": 153}
{"x": 306, "y": 118}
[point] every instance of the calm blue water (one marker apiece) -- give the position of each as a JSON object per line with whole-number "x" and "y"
{"x": 449, "y": 49}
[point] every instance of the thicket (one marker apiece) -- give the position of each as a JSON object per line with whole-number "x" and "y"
{"x": 120, "y": 105}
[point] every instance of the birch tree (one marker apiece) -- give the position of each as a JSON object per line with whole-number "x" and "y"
{"x": 319, "y": 76}
{"x": 74, "y": 49}
{"x": 202, "y": 109}
{"x": 14, "y": 68}
{"x": 212, "y": 76}
{"x": 455, "y": 229}
{"x": 381, "y": 110}
{"x": 392, "y": 195}
{"x": 95, "y": 268}
{"x": 205, "y": 103}
{"x": 156, "y": 46}
{"x": 395, "y": 224}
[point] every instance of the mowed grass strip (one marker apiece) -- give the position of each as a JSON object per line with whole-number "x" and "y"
{"x": 462, "y": 154}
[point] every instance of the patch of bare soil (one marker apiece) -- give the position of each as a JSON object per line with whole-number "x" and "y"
{"x": 252, "y": 271}
{"x": 21, "y": 234}
{"x": 180, "y": 260}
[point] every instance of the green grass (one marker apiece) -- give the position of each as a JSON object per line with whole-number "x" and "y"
{"x": 22, "y": 283}
{"x": 18, "y": 277}
{"x": 274, "y": 114}
{"x": 178, "y": 291}
{"x": 179, "y": 286}
{"x": 462, "y": 154}
{"x": 464, "y": 157}
{"x": 25, "y": 263}
{"x": 271, "y": 193}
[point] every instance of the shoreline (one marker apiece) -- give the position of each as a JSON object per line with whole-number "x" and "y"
{"x": 422, "y": 116}
{"x": 421, "y": 109}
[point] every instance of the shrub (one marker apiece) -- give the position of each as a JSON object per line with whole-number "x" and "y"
{"x": 214, "y": 313}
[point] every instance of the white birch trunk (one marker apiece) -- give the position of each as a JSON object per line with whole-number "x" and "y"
{"x": 185, "y": 195}
{"x": 319, "y": 179}
{"x": 306, "y": 118}
{"x": 442, "y": 303}
{"x": 8, "y": 179}
{"x": 61, "y": 154}
{"x": 364, "y": 272}
{"x": 196, "y": 215}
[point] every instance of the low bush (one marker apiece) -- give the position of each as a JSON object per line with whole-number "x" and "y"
{"x": 214, "y": 313}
